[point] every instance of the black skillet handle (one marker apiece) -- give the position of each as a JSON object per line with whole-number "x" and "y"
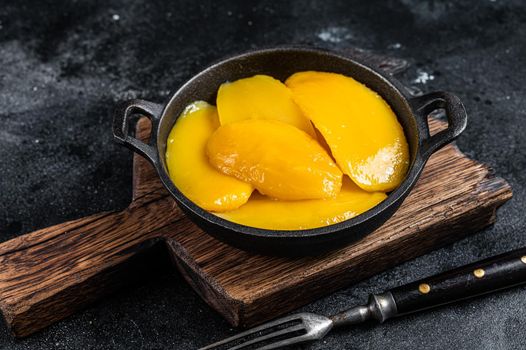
{"x": 456, "y": 116}
{"x": 121, "y": 120}
{"x": 499, "y": 272}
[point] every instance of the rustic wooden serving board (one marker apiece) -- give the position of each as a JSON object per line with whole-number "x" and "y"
{"x": 50, "y": 273}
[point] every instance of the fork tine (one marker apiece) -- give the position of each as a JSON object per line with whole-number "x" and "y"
{"x": 253, "y": 330}
{"x": 286, "y": 342}
{"x": 268, "y": 336}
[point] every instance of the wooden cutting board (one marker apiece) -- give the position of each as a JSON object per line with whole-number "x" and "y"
{"x": 48, "y": 274}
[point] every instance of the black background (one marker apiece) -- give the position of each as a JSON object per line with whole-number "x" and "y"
{"x": 65, "y": 64}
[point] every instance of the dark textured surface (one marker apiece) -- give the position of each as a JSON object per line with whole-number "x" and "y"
{"x": 65, "y": 64}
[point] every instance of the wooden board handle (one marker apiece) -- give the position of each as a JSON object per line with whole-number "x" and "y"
{"x": 50, "y": 273}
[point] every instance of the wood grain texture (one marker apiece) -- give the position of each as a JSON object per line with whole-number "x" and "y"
{"x": 50, "y": 273}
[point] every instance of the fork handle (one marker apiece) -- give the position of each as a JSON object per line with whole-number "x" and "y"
{"x": 486, "y": 276}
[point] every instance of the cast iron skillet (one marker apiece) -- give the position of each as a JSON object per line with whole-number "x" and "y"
{"x": 280, "y": 63}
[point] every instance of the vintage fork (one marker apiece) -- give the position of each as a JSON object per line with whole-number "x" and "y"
{"x": 499, "y": 272}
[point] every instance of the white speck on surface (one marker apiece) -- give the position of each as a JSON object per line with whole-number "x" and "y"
{"x": 423, "y": 77}
{"x": 395, "y": 46}
{"x": 229, "y": 13}
{"x": 35, "y": 88}
{"x": 115, "y": 17}
{"x": 249, "y": 23}
{"x": 334, "y": 34}
{"x": 37, "y": 141}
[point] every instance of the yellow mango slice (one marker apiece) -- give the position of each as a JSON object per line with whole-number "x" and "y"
{"x": 278, "y": 159}
{"x": 264, "y": 212}
{"x": 188, "y": 164}
{"x": 363, "y": 133}
{"x": 260, "y": 97}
